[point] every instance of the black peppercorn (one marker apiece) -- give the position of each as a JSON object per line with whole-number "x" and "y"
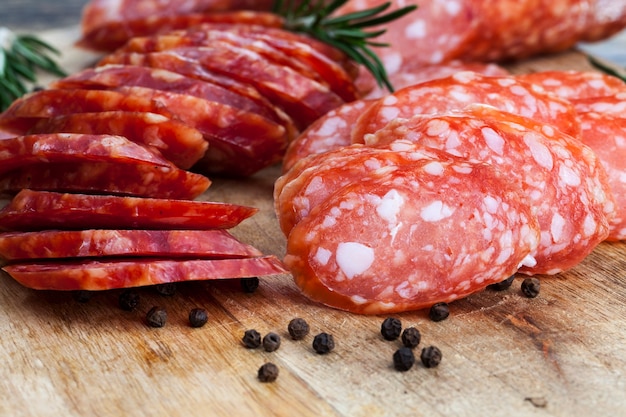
{"x": 431, "y": 356}
{"x": 403, "y": 359}
{"x": 530, "y": 287}
{"x": 439, "y": 312}
{"x": 249, "y": 285}
{"x": 198, "y": 317}
{"x": 502, "y": 285}
{"x": 411, "y": 337}
{"x": 128, "y": 300}
{"x": 83, "y": 296}
{"x": 156, "y": 317}
{"x": 323, "y": 343}
{"x": 271, "y": 342}
{"x": 251, "y": 339}
{"x": 298, "y": 328}
{"x": 268, "y": 372}
{"x": 391, "y": 328}
{"x": 167, "y": 289}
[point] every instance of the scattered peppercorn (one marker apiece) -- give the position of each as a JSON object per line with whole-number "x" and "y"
{"x": 167, "y": 289}
{"x": 431, "y": 356}
{"x": 268, "y": 372}
{"x": 128, "y": 300}
{"x": 198, "y": 317}
{"x": 271, "y": 342}
{"x": 298, "y": 328}
{"x": 249, "y": 285}
{"x": 156, "y": 317}
{"x": 411, "y": 337}
{"x": 323, "y": 343}
{"x": 83, "y": 296}
{"x": 403, "y": 359}
{"x": 439, "y": 312}
{"x": 251, "y": 339}
{"x": 530, "y": 287}
{"x": 391, "y": 328}
{"x": 502, "y": 285}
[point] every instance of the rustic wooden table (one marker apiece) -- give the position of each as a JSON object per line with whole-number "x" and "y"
{"x": 560, "y": 354}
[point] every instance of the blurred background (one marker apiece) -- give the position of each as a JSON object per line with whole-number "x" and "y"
{"x": 33, "y": 15}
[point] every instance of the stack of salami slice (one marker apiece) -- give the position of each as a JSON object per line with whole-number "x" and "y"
{"x": 444, "y": 187}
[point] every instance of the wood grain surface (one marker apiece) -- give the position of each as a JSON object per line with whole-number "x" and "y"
{"x": 560, "y": 354}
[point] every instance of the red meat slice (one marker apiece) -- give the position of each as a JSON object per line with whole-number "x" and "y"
{"x": 329, "y": 132}
{"x": 111, "y": 35}
{"x": 467, "y": 88}
{"x": 60, "y": 244}
{"x": 179, "y": 143}
{"x": 574, "y": 85}
{"x": 562, "y": 179}
{"x": 384, "y": 244}
{"x": 105, "y": 275}
{"x": 92, "y": 163}
{"x": 38, "y": 210}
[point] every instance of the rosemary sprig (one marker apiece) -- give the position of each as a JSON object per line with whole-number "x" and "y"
{"x": 345, "y": 32}
{"x": 21, "y": 56}
{"x": 607, "y": 69}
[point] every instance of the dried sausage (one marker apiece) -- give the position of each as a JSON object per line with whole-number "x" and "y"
{"x": 60, "y": 244}
{"x": 384, "y": 245}
{"x": 39, "y": 210}
{"x": 105, "y": 275}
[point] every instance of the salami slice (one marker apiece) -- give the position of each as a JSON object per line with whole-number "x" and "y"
{"x": 606, "y": 135}
{"x": 25, "y": 111}
{"x": 329, "y": 132}
{"x": 136, "y": 179}
{"x": 574, "y": 85}
{"x": 562, "y": 179}
{"x": 105, "y": 275}
{"x": 466, "y": 88}
{"x": 612, "y": 104}
{"x": 240, "y": 142}
{"x": 172, "y": 60}
{"x": 90, "y": 243}
{"x": 111, "y": 35}
{"x": 384, "y": 244}
{"x": 115, "y": 76}
{"x": 39, "y": 210}
{"x": 178, "y": 142}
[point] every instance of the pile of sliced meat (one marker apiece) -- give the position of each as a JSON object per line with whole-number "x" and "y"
{"x": 446, "y": 186}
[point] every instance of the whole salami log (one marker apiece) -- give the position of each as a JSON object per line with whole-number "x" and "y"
{"x": 562, "y": 179}
{"x": 105, "y": 275}
{"x": 38, "y": 210}
{"x": 90, "y": 243}
{"x": 384, "y": 244}
{"x": 467, "y": 88}
{"x": 178, "y": 142}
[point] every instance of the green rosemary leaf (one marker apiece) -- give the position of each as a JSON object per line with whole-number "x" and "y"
{"x": 333, "y": 5}
{"x": 606, "y": 68}
{"x": 3, "y": 61}
{"x": 24, "y": 70}
{"x": 36, "y": 44}
{"x": 354, "y": 34}
{"x": 350, "y": 17}
{"x": 389, "y": 17}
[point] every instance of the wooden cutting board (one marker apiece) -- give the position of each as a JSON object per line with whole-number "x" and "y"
{"x": 560, "y": 354}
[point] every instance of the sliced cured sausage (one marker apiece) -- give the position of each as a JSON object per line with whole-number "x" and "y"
{"x": 574, "y": 85}
{"x": 240, "y": 142}
{"x": 563, "y": 179}
{"x": 25, "y": 111}
{"x": 135, "y": 179}
{"x": 612, "y": 104}
{"x": 466, "y": 88}
{"x": 39, "y": 210}
{"x": 112, "y": 35}
{"x": 606, "y": 135}
{"x": 172, "y": 60}
{"x": 329, "y": 132}
{"x": 63, "y": 244}
{"x": 105, "y": 275}
{"x": 92, "y": 164}
{"x": 383, "y": 244}
{"x": 178, "y": 142}
{"x": 115, "y": 76}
